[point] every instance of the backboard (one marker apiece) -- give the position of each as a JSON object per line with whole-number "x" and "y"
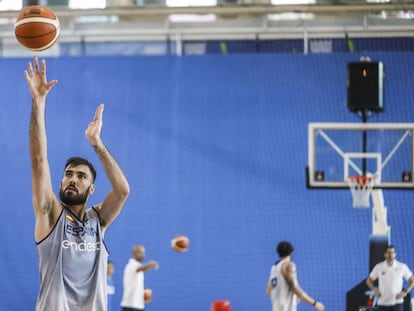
{"x": 339, "y": 150}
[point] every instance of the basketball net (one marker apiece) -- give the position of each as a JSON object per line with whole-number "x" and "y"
{"x": 361, "y": 188}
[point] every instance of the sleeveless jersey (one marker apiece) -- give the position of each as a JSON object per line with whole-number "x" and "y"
{"x": 283, "y": 298}
{"x": 72, "y": 264}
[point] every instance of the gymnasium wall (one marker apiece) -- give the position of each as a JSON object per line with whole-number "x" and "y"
{"x": 214, "y": 147}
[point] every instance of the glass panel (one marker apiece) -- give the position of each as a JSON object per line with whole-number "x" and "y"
{"x": 90, "y": 4}
{"x": 6, "y": 5}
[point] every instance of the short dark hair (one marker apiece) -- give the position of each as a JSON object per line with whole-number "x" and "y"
{"x": 75, "y": 161}
{"x": 390, "y": 246}
{"x": 284, "y": 249}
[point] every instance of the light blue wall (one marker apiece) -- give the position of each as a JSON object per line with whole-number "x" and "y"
{"x": 214, "y": 147}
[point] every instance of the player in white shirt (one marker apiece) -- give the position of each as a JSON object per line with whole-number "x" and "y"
{"x": 283, "y": 287}
{"x": 390, "y": 274}
{"x": 133, "y": 280}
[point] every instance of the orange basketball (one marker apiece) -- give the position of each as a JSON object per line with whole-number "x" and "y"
{"x": 180, "y": 243}
{"x": 147, "y": 295}
{"x": 37, "y": 28}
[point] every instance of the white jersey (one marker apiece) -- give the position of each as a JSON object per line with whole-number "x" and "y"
{"x": 282, "y": 296}
{"x": 390, "y": 281}
{"x": 133, "y": 295}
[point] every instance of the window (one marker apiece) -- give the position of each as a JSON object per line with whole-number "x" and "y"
{"x": 90, "y": 4}
{"x": 182, "y": 3}
{"x": 9, "y": 5}
{"x": 280, "y": 2}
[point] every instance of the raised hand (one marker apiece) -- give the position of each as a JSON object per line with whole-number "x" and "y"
{"x": 93, "y": 132}
{"x": 36, "y": 79}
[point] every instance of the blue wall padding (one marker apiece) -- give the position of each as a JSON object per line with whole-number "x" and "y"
{"x": 214, "y": 147}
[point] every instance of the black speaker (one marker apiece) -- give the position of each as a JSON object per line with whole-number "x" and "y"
{"x": 365, "y": 86}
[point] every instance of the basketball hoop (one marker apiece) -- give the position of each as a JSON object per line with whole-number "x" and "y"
{"x": 361, "y": 188}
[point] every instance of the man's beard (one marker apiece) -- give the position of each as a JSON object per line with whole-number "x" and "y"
{"x": 76, "y": 199}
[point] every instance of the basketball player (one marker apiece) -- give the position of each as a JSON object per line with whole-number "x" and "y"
{"x": 133, "y": 294}
{"x": 283, "y": 287}
{"x": 72, "y": 257}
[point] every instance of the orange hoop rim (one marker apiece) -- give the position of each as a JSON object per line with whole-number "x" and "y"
{"x": 361, "y": 179}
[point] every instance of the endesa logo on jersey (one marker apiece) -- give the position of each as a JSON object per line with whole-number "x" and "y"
{"x": 80, "y": 231}
{"x": 83, "y": 246}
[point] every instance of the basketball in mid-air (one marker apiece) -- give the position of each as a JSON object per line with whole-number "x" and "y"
{"x": 37, "y": 27}
{"x": 180, "y": 243}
